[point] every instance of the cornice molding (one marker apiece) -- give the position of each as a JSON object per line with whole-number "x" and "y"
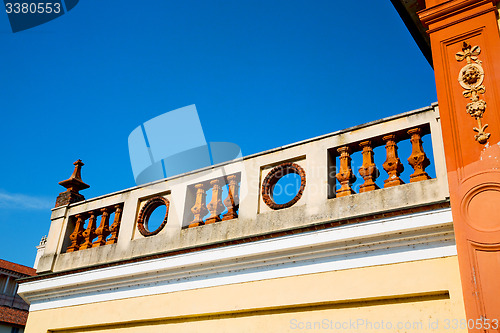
{"x": 435, "y": 14}
{"x": 412, "y": 237}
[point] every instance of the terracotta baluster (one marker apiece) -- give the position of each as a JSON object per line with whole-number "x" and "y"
{"x": 232, "y": 200}
{"x": 76, "y": 237}
{"x": 368, "y": 170}
{"x": 392, "y": 164}
{"x": 115, "y": 227}
{"x": 89, "y": 233}
{"x": 199, "y": 209}
{"x": 215, "y": 206}
{"x": 418, "y": 160}
{"x": 345, "y": 176}
{"x": 103, "y": 231}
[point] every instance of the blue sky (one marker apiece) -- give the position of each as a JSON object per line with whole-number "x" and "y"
{"x": 261, "y": 73}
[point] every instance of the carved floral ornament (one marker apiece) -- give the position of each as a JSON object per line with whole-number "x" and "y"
{"x": 471, "y": 78}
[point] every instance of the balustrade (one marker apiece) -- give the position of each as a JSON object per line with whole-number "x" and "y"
{"x": 85, "y": 238}
{"x": 361, "y": 163}
{"x": 216, "y": 206}
{"x": 393, "y": 167}
{"x": 365, "y": 159}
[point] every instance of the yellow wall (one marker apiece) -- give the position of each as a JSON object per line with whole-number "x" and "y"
{"x": 413, "y": 294}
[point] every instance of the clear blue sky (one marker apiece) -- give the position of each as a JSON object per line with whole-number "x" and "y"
{"x": 261, "y": 73}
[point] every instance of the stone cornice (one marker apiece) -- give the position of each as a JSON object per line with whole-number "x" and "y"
{"x": 454, "y": 11}
{"x": 398, "y": 239}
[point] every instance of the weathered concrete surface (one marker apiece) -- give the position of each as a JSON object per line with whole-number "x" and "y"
{"x": 255, "y": 218}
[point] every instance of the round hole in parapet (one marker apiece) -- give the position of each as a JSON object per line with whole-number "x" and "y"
{"x": 271, "y": 191}
{"x": 156, "y": 218}
{"x": 286, "y": 188}
{"x": 148, "y": 216}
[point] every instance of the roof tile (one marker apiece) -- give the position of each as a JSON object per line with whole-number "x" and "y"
{"x": 25, "y": 270}
{"x": 13, "y": 316}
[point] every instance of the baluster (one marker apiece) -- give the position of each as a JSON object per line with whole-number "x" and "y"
{"x": 76, "y": 236}
{"x": 345, "y": 176}
{"x": 199, "y": 209}
{"x": 89, "y": 233}
{"x": 418, "y": 160}
{"x": 115, "y": 227}
{"x": 232, "y": 200}
{"x": 215, "y": 206}
{"x": 103, "y": 231}
{"x": 368, "y": 170}
{"x": 392, "y": 164}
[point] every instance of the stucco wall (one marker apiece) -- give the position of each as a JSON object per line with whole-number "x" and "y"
{"x": 413, "y": 294}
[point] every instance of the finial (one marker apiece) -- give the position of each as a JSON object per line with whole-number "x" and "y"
{"x": 77, "y": 173}
{"x": 73, "y": 185}
{"x": 75, "y": 182}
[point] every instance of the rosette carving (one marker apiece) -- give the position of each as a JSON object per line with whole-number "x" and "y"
{"x": 471, "y": 78}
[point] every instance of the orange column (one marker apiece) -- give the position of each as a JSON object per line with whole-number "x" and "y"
{"x": 465, "y": 45}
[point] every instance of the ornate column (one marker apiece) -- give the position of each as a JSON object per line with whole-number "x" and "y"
{"x": 418, "y": 160}
{"x": 232, "y": 200}
{"x": 465, "y": 49}
{"x": 199, "y": 209}
{"x": 215, "y": 206}
{"x": 368, "y": 170}
{"x": 345, "y": 176}
{"x": 392, "y": 164}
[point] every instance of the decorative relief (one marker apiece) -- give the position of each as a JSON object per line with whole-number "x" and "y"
{"x": 146, "y": 211}
{"x": 478, "y": 201}
{"x": 272, "y": 179}
{"x": 471, "y": 78}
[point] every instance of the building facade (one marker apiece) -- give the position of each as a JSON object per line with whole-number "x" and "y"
{"x": 421, "y": 253}
{"x": 13, "y": 309}
{"x": 342, "y": 254}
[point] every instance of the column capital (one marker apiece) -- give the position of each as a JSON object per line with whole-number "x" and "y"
{"x": 440, "y": 14}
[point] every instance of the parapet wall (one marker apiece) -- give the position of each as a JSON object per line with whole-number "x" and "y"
{"x": 233, "y": 202}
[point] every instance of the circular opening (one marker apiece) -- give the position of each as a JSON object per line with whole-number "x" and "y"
{"x": 153, "y": 216}
{"x": 280, "y": 185}
{"x": 286, "y": 188}
{"x": 156, "y": 218}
